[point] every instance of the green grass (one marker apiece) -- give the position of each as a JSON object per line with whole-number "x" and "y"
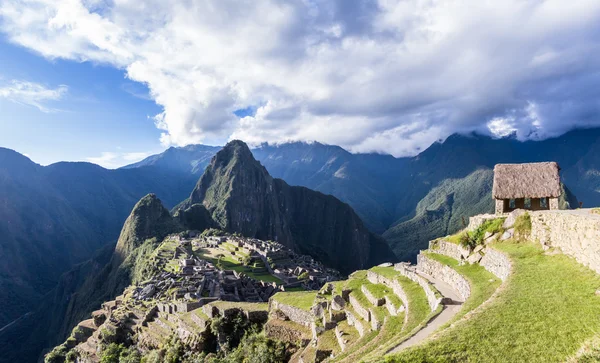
{"x": 522, "y": 226}
{"x": 394, "y": 329}
{"x": 328, "y": 341}
{"x": 547, "y": 310}
{"x": 483, "y": 283}
{"x": 229, "y": 263}
{"x": 358, "y": 279}
{"x": 300, "y": 299}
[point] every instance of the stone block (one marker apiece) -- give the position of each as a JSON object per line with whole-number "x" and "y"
{"x": 338, "y": 303}
{"x": 474, "y": 258}
{"x": 512, "y": 217}
{"x": 508, "y": 234}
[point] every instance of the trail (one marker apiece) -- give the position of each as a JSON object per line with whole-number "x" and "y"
{"x": 442, "y": 318}
{"x": 15, "y": 321}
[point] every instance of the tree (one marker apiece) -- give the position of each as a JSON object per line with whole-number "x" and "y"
{"x": 111, "y": 353}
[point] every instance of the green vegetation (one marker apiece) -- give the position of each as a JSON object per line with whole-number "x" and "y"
{"x": 256, "y": 348}
{"x": 300, "y": 299}
{"x": 444, "y": 210}
{"x": 226, "y": 262}
{"x": 474, "y": 238}
{"x": 395, "y": 328}
{"x": 117, "y": 353}
{"x": 522, "y": 226}
{"x": 546, "y": 310}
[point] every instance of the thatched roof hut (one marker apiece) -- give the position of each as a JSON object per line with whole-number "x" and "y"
{"x": 530, "y": 180}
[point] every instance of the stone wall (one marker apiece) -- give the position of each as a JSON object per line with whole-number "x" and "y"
{"x": 449, "y": 249}
{"x": 339, "y": 334}
{"x": 497, "y": 263}
{"x": 375, "y": 322}
{"x": 360, "y": 310}
{"x": 477, "y": 220}
{"x": 444, "y": 273}
{"x": 372, "y": 299}
{"x": 396, "y": 288}
{"x": 285, "y": 332}
{"x": 293, "y": 313}
{"x": 575, "y": 233}
{"x": 355, "y": 322}
{"x": 409, "y": 271}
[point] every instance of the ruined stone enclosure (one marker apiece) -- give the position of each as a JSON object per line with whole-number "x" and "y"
{"x": 532, "y": 186}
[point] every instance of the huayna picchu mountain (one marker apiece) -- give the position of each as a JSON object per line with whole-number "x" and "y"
{"x": 241, "y": 196}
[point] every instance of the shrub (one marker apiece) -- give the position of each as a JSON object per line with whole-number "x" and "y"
{"x": 256, "y": 348}
{"x": 71, "y": 356}
{"x": 56, "y": 355}
{"x": 476, "y": 237}
{"x": 111, "y": 353}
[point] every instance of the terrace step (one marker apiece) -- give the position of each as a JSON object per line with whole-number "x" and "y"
{"x": 452, "y": 304}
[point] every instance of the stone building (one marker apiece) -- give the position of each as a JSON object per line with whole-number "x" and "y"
{"x": 533, "y": 186}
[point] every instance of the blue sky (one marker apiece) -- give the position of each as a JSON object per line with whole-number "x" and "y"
{"x": 112, "y": 81}
{"x": 101, "y": 111}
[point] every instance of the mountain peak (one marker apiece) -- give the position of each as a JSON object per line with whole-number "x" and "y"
{"x": 149, "y": 218}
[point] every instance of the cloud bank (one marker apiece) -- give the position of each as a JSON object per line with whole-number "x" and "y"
{"x": 32, "y": 94}
{"x": 387, "y": 75}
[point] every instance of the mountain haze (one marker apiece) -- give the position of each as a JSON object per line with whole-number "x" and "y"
{"x": 53, "y": 217}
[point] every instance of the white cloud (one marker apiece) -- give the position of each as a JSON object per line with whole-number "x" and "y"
{"x": 386, "y": 75}
{"x": 32, "y": 94}
{"x": 113, "y": 160}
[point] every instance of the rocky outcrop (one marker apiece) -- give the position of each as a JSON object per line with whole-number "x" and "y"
{"x": 241, "y": 196}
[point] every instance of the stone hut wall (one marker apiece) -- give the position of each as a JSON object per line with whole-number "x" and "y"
{"x": 293, "y": 313}
{"x": 444, "y": 273}
{"x": 497, "y": 263}
{"x": 449, "y": 249}
{"x": 575, "y": 233}
{"x": 433, "y": 300}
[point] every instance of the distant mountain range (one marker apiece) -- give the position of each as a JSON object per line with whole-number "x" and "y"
{"x": 412, "y": 200}
{"x": 53, "y": 217}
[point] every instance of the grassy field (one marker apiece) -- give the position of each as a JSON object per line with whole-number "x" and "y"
{"x": 229, "y": 263}
{"x": 547, "y": 310}
{"x": 300, "y": 299}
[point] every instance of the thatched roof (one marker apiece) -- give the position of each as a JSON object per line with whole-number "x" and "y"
{"x": 531, "y": 180}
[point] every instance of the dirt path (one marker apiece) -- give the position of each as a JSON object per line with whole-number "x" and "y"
{"x": 442, "y": 318}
